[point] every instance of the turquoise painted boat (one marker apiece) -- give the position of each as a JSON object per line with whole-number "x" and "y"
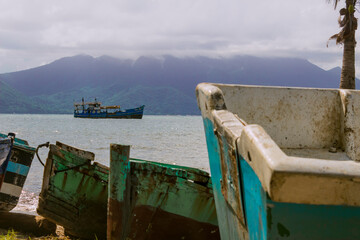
{"x": 14, "y": 172}
{"x": 76, "y": 192}
{"x": 284, "y": 161}
{"x": 151, "y": 200}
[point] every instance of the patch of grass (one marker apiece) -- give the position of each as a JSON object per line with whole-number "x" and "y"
{"x": 11, "y": 235}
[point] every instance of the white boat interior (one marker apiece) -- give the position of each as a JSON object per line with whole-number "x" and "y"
{"x": 302, "y": 143}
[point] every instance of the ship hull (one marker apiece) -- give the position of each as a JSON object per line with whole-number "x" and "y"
{"x": 134, "y": 113}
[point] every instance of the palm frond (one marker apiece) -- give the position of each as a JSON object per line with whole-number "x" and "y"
{"x": 335, "y": 2}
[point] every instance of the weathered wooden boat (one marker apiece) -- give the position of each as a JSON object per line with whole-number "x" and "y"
{"x": 75, "y": 194}
{"x": 284, "y": 161}
{"x": 151, "y": 200}
{"x": 15, "y": 172}
{"x": 95, "y": 110}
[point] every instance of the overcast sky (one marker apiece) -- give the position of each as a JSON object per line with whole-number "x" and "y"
{"x": 37, "y": 32}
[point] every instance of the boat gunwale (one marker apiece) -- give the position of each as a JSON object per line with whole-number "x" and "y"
{"x": 20, "y": 144}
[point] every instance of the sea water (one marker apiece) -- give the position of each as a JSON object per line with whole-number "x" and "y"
{"x": 169, "y": 139}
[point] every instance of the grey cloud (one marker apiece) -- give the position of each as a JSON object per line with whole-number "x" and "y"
{"x": 40, "y": 31}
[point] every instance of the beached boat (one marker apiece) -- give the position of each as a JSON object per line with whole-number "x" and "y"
{"x": 151, "y": 200}
{"x": 95, "y": 110}
{"x": 75, "y": 194}
{"x": 14, "y": 172}
{"x": 284, "y": 161}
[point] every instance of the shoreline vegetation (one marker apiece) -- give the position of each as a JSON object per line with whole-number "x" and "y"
{"x": 15, "y": 225}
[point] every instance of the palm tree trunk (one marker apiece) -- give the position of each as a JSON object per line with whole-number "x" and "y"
{"x": 347, "y": 80}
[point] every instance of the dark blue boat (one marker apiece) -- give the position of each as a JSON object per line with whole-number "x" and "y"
{"x": 95, "y": 110}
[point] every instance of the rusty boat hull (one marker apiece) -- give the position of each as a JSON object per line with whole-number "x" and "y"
{"x": 284, "y": 161}
{"x": 82, "y": 196}
{"x": 15, "y": 173}
{"x": 74, "y": 192}
{"x": 151, "y": 200}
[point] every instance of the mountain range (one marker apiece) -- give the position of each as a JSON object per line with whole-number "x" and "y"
{"x": 166, "y": 85}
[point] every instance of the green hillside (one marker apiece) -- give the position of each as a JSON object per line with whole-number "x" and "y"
{"x": 12, "y": 101}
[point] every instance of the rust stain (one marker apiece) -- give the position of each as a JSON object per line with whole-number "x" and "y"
{"x": 230, "y": 182}
{"x": 79, "y": 188}
{"x": 64, "y": 180}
